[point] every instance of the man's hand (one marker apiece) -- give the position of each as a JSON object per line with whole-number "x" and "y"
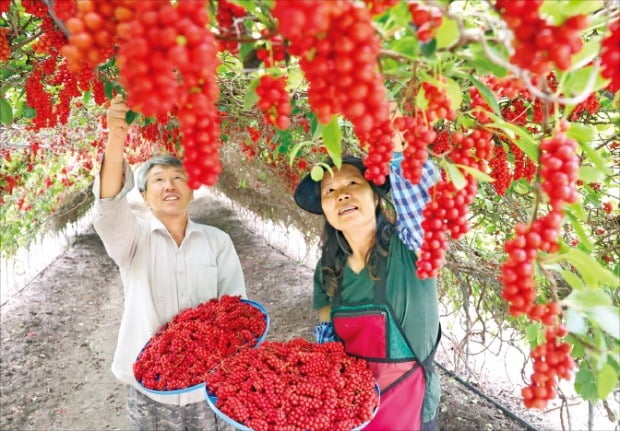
{"x": 112, "y": 167}
{"x": 116, "y": 117}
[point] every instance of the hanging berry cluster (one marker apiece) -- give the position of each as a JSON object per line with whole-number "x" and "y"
{"x": 196, "y": 340}
{"x": 167, "y": 62}
{"x": 338, "y": 47}
{"x": 559, "y": 166}
{"x": 426, "y": 20}
{"x": 93, "y": 31}
{"x": 446, "y": 212}
{"x": 295, "y": 385}
{"x": 537, "y": 43}
{"x": 228, "y": 18}
{"x": 274, "y": 101}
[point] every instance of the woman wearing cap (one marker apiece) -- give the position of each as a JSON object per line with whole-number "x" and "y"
{"x": 366, "y": 289}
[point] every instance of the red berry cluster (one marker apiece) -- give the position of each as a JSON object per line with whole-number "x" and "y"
{"x": 551, "y": 362}
{"x": 537, "y": 43}
{"x": 447, "y": 210}
{"x": 51, "y": 40}
{"x": 426, "y": 19}
{"x": 524, "y": 166}
{"x": 418, "y": 135}
{"x": 479, "y": 106}
{"x": 377, "y": 7}
{"x": 195, "y": 341}
{"x": 301, "y": 22}
{"x": 40, "y": 100}
{"x": 339, "y": 59}
{"x": 559, "y": 169}
{"x": 64, "y": 9}
{"x": 295, "y": 385}
{"x": 518, "y": 268}
{"x": 4, "y": 5}
{"x": 167, "y": 60}
{"x": 610, "y": 56}
{"x": 5, "y": 47}
{"x": 273, "y": 51}
{"x": 274, "y": 101}
{"x": 35, "y": 7}
{"x": 379, "y": 146}
{"x": 500, "y": 171}
{"x": 591, "y": 105}
{"x": 230, "y": 25}
{"x": 438, "y": 107}
{"x": 93, "y": 31}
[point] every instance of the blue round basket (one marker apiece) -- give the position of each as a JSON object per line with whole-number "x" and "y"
{"x": 212, "y": 399}
{"x": 201, "y": 386}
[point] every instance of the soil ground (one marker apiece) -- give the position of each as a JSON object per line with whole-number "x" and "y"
{"x": 58, "y": 335}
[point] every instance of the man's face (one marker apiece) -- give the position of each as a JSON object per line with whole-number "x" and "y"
{"x": 347, "y": 200}
{"x": 167, "y": 193}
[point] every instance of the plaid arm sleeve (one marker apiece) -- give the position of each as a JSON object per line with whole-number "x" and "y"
{"x": 409, "y": 200}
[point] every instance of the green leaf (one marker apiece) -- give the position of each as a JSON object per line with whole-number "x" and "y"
{"x": 486, "y": 94}
{"x": 455, "y": 175}
{"x": 406, "y": 46}
{"x": 584, "y": 384}
{"x": 447, "y": 33}
{"x": 588, "y": 53}
{"x": 575, "y": 322}
{"x": 332, "y": 139}
{"x": 130, "y": 116}
{"x": 29, "y": 113}
{"x": 6, "y": 112}
{"x": 428, "y": 49}
{"x": 591, "y": 271}
{"x": 250, "y": 96}
{"x": 534, "y": 335}
{"x": 578, "y": 79}
{"x": 583, "y": 300}
{"x": 86, "y": 97}
{"x": 525, "y": 142}
{"x": 573, "y": 280}
{"x": 607, "y": 379}
{"x": 295, "y": 150}
{"x": 585, "y": 134}
{"x": 584, "y": 238}
{"x": 454, "y": 93}
{"x": 108, "y": 89}
{"x": 590, "y": 174}
{"x": 482, "y": 63}
{"x": 607, "y": 317}
{"x": 479, "y": 175}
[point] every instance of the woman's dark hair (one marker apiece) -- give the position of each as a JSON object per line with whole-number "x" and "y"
{"x": 335, "y": 249}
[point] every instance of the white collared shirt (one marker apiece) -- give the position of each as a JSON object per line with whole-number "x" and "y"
{"x": 160, "y": 279}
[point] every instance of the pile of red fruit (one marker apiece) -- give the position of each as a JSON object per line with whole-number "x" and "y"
{"x": 295, "y": 385}
{"x": 196, "y": 340}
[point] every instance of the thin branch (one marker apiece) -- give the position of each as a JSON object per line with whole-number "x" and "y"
{"x": 52, "y": 14}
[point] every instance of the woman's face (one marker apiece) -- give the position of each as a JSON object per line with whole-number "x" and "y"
{"x": 348, "y": 201}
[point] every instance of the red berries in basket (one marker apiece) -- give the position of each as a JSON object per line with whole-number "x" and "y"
{"x": 196, "y": 340}
{"x": 295, "y": 385}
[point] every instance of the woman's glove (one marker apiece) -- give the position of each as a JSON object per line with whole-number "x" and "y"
{"x": 324, "y": 333}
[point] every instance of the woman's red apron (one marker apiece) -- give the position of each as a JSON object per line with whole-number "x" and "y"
{"x": 370, "y": 331}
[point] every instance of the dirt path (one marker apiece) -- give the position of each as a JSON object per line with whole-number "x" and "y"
{"x": 58, "y": 335}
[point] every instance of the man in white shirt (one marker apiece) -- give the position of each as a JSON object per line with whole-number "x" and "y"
{"x": 167, "y": 264}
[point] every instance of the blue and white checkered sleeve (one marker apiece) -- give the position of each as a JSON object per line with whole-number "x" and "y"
{"x": 410, "y": 200}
